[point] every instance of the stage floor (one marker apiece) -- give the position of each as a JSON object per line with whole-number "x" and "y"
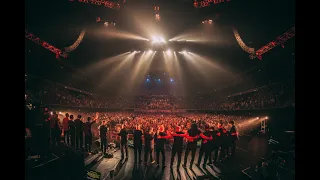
{"x": 250, "y": 150}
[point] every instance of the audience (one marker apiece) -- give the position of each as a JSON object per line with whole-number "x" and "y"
{"x": 271, "y": 96}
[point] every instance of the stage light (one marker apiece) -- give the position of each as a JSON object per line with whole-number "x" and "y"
{"x": 209, "y": 21}
{"x": 267, "y": 117}
{"x": 168, "y": 51}
{"x": 148, "y": 80}
{"x": 157, "y": 17}
{"x": 107, "y": 24}
{"x": 156, "y": 39}
{"x": 171, "y": 80}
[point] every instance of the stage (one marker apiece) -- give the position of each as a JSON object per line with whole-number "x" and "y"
{"x": 250, "y": 151}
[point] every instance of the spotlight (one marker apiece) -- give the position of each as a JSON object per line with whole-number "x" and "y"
{"x": 157, "y": 39}
{"x": 267, "y": 117}
{"x": 154, "y": 38}
{"x": 209, "y": 21}
{"x": 257, "y": 118}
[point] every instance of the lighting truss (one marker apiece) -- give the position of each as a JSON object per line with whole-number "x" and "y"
{"x": 278, "y": 41}
{"x": 241, "y": 43}
{"x": 206, "y": 3}
{"x": 107, "y": 4}
{"x": 76, "y": 44}
{"x": 46, "y": 45}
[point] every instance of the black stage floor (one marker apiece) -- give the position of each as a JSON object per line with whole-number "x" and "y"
{"x": 250, "y": 150}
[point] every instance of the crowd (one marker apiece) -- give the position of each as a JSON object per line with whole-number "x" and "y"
{"x": 78, "y": 131}
{"x": 147, "y": 120}
{"x": 156, "y": 103}
{"x": 48, "y": 92}
{"x": 271, "y": 96}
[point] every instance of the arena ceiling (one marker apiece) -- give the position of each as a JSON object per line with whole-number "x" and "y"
{"x": 224, "y": 62}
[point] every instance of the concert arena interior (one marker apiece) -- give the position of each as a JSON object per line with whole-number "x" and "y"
{"x": 160, "y": 89}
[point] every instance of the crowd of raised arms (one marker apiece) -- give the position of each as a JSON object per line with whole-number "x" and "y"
{"x": 271, "y": 96}
{"x": 130, "y": 120}
{"x": 216, "y": 132}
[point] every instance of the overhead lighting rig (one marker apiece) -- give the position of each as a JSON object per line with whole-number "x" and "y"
{"x": 46, "y": 45}
{"x": 105, "y": 3}
{"x": 206, "y": 3}
{"x": 278, "y": 41}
